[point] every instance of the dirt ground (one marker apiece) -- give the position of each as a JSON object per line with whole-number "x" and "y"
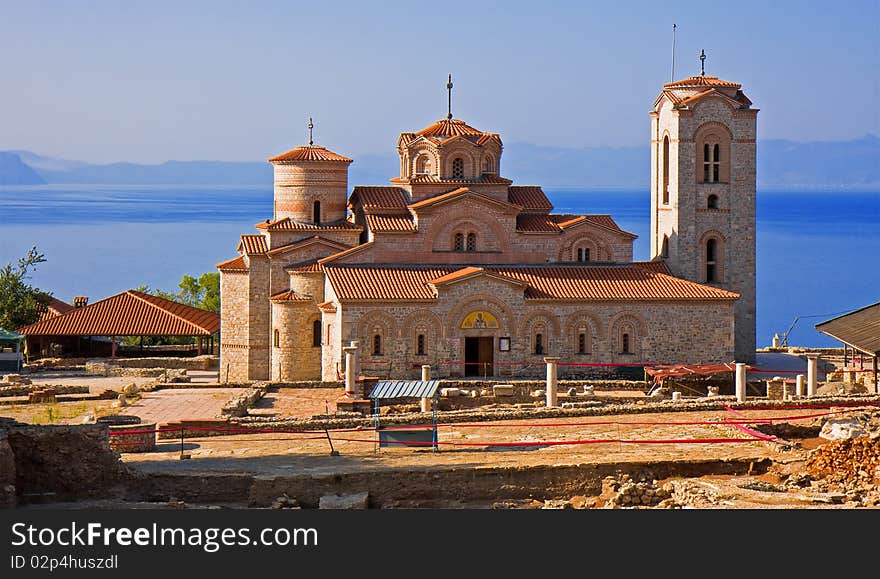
{"x": 653, "y": 438}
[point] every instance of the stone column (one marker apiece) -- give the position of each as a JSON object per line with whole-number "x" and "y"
{"x": 350, "y": 356}
{"x": 799, "y": 388}
{"x": 426, "y": 375}
{"x": 740, "y": 382}
{"x": 551, "y": 380}
{"x": 357, "y": 360}
{"x": 812, "y": 373}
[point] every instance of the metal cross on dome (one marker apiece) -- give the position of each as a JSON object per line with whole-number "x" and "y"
{"x": 702, "y": 62}
{"x": 311, "y": 126}
{"x": 449, "y": 97}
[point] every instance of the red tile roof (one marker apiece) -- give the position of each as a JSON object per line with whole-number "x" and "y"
{"x": 529, "y": 198}
{"x": 253, "y": 244}
{"x": 56, "y": 308}
{"x": 618, "y": 282}
{"x": 488, "y": 178}
{"x": 654, "y": 266}
{"x": 470, "y": 271}
{"x": 306, "y": 242}
{"x": 556, "y": 223}
{"x": 391, "y": 223}
{"x": 311, "y": 265}
{"x": 235, "y": 264}
{"x": 455, "y": 193}
{"x": 529, "y": 223}
{"x": 449, "y": 128}
{"x": 130, "y": 313}
{"x": 700, "y": 81}
{"x": 346, "y": 252}
{"x": 291, "y": 296}
{"x": 379, "y": 198}
{"x": 288, "y": 224}
{"x": 309, "y": 153}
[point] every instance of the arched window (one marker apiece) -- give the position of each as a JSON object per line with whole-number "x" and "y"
{"x": 664, "y": 247}
{"x": 711, "y": 264}
{"x": 488, "y": 164}
{"x": 539, "y": 343}
{"x": 624, "y": 344}
{"x": 377, "y": 344}
{"x": 582, "y": 343}
{"x": 276, "y": 338}
{"x": 316, "y": 334}
{"x": 458, "y": 168}
{"x": 583, "y": 254}
{"x": 712, "y": 202}
{"x": 420, "y": 345}
{"x": 472, "y": 242}
{"x": 316, "y": 212}
{"x": 711, "y": 163}
{"x": 458, "y": 244}
{"x": 666, "y": 169}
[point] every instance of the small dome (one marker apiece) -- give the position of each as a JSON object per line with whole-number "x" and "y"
{"x": 309, "y": 153}
{"x": 449, "y": 128}
{"x": 702, "y": 81}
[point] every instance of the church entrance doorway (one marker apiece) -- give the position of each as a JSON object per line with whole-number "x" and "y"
{"x": 478, "y": 354}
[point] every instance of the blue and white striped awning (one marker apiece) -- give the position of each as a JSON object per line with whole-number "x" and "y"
{"x": 405, "y": 389}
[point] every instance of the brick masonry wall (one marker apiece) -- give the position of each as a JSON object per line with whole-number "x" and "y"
{"x": 661, "y": 332}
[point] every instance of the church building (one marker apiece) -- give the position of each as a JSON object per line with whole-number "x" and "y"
{"x": 453, "y": 265}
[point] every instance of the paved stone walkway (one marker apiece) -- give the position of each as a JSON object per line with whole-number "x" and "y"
{"x": 180, "y": 403}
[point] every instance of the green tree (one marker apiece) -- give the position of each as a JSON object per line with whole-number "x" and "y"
{"x": 20, "y": 303}
{"x": 202, "y": 292}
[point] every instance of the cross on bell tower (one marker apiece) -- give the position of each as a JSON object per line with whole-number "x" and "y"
{"x": 311, "y": 126}
{"x": 702, "y": 62}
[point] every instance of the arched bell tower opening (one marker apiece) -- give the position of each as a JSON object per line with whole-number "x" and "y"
{"x": 703, "y": 191}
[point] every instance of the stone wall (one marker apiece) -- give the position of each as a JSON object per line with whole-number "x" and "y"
{"x": 660, "y": 333}
{"x": 7, "y": 473}
{"x": 64, "y": 462}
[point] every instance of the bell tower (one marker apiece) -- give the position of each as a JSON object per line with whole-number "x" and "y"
{"x": 703, "y": 161}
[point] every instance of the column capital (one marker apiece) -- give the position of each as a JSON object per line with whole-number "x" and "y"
{"x": 550, "y": 359}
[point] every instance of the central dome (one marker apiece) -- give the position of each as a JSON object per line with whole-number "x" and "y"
{"x": 449, "y": 128}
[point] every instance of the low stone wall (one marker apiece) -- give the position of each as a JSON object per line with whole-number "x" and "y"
{"x": 26, "y": 390}
{"x": 59, "y": 463}
{"x": 239, "y": 404}
{"x": 205, "y": 362}
{"x": 197, "y": 428}
{"x": 141, "y": 439}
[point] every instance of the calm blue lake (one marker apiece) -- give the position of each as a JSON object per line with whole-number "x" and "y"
{"x": 817, "y": 251}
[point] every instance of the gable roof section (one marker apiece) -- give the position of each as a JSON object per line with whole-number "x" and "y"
{"x": 56, "y": 307}
{"x": 614, "y": 282}
{"x": 461, "y": 193}
{"x": 859, "y": 329}
{"x": 130, "y": 313}
{"x": 315, "y": 239}
{"x": 530, "y": 223}
{"x": 391, "y": 223}
{"x": 530, "y": 198}
{"x": 658, "y": 266}
{"x": 345, "y": 253}
{"x": 379, "y": 199}
{"x": 603, "y": 221}
{"x": 308, "y": 266}
{"x": 471, "y": 272}
{"x": 288, "y": 224}
{"x": 253, "y": 244}
{"x": 707, "y": 93}
{"x": 235, "y": 264}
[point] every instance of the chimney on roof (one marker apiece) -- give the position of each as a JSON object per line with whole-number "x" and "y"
{"x": 80, "y": 301}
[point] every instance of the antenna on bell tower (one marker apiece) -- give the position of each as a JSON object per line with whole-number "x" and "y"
{"x": 449, "y": 97}
{"x": 673, "y": 52}
{"x": 702, "y": 62}
{"x": 311, "y": 126}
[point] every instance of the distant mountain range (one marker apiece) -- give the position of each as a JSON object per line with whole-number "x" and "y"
{"x": 853, "y": 164}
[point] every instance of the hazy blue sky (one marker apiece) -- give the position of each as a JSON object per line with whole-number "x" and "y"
{"x": 152, "y": 81}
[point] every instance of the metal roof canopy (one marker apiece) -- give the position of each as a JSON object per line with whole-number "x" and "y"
{"x": 859, "y": 329}
{"x": 405, "y": 389}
